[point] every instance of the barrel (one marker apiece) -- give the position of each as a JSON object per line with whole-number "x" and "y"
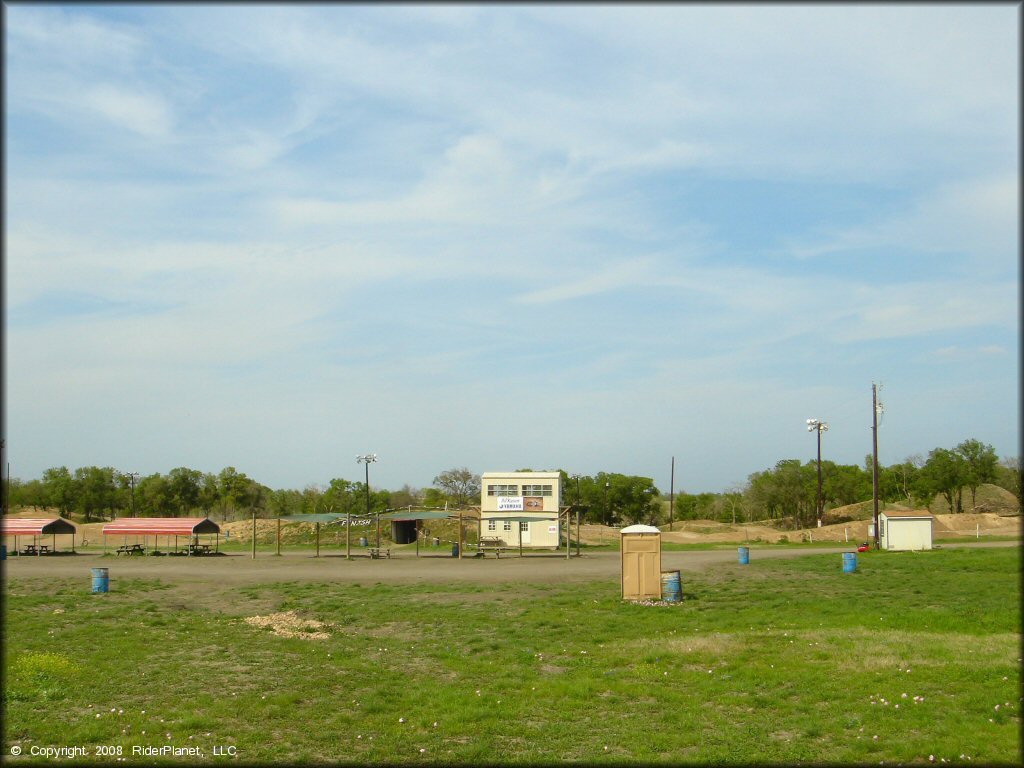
{"x": 849, "y": 562}
{"x": 744, "y": 555}
{"x": 455, "y": 550}
{"x": 363, "y": 542}
{"x": 100, "y": 580}
{"x": 671, "y": 587}
{"x": 3, "y": 551}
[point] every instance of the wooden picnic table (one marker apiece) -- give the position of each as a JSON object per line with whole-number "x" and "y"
{"x": 199, "y": 549}
{"x": 131, "y": 549}
{"x": 378, "y": 552}
{"x": 33, "y": 549}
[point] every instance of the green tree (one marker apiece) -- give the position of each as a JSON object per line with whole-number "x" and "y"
{"x": 60, "y": 490}
{"x": 944, "y": 473}
{"x": 1008, "y": 476}
{"x": 185, "y": 488}
{"x": 153, "y": 496}
{"x": 460, "y": 485}
{"x": 980, "y": 462}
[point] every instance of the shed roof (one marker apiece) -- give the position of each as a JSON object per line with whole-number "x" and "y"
{"x": 162, "y": 526}
{"x": 911, "y": 513}
{"x": 640, "y": 529}
{"x": 36, "y": 526}
{"x": 321, "y": 517}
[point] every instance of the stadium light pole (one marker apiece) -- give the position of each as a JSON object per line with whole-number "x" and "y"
{"x": 819, "y": 426}
{"x": 367, "y": 459}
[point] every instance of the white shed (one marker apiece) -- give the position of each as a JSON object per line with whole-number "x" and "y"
{"x": 901, "y": 531}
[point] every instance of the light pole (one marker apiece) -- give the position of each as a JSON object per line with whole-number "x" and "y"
{"x": 819, "y": 426}
{"x": 131, "y": 480}
{"x": 607, "y": 509}
{"x": 367, "y": 459}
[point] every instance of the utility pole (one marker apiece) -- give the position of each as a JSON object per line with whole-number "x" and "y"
{"x": 876, "y": 408}
{"x": 131, "y": 479}
{"x": 671, "y": 492}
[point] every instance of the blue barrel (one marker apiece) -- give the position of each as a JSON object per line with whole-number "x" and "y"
{"x": 3, "y": 551}
{"x": 363, "y": 542}
{"x": 100, "y": 580}
{"x": 849, "y": 562}
{"x": 455, "y": 550}
{"x": 744, "y": 555}
{"x": 671, "y": 586}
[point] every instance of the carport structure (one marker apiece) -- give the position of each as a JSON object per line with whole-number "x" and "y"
{"x": 326, "y": 517}
{"x": 410, "y": 515}
{"x": 37, "y": 528}
{"x": 188, "y": 527}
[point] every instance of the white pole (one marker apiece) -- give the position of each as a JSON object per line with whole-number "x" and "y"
{"x": 846, "y": 533}
{"x": 977, "y": 530}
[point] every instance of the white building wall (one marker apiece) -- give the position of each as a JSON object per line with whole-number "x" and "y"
{"x": 535, "y": 494}
{"x": 906, "y": 533}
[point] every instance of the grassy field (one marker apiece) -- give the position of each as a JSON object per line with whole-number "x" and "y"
{"x": 914, "y": 658}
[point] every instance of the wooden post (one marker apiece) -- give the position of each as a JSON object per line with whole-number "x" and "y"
{"x": 278, "y": 536}
{"x": 318, "y": 539}
{"x": 460, "y": 530}
{"x": 577, "y": 533}
{"x": 348, "y": 535}
{"x": 254, "y": 534}
{"x": 568, "y": 530}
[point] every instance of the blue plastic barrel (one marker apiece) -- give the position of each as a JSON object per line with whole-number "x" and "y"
{"x": 363, "y": 542}
{"x": 100, "y": 580}
{"x": 849, "y": 562}
{"x": 455, "y": 550}
{"x": 744, "y": 555}
{"x": 3, "y": 551}
{"x": 671, "y": 586}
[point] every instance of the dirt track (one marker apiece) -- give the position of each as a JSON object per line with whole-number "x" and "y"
{"x": 237, "y": 569}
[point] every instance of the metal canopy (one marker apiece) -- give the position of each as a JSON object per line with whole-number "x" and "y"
{"x": 326, "y": 517}
{"x": 36, "y": 526}
{"x": 162, "y": 526}
{"x": 450, "y": 515}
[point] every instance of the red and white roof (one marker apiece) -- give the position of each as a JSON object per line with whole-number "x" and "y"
{"x": 160, "y": 526}
{"x": 28, "y": 526}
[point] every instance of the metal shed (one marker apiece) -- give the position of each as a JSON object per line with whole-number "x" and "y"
{"x": 37, "y": 528}
{"x": 188, "y": 527}
{"x": 905, "y": 531}
{"x": 641, "y": 562}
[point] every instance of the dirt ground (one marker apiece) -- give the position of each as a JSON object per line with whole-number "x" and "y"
{"x": 238, "y": 569}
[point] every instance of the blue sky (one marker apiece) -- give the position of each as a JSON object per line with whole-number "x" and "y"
{"x": 589, "y": 237}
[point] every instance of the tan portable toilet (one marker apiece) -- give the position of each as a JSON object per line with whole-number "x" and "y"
{"x": 641, "y": 562}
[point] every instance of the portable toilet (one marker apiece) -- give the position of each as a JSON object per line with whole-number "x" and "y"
{"x": 641, "y": 562}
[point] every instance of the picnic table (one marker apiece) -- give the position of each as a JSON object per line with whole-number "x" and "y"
{"x": 33, "y": 549}
{"x": 199, "y": 549}
{"x": 497, "y": 549}
{"x": 377, "y": 552}
{"x": 131, "y": 549}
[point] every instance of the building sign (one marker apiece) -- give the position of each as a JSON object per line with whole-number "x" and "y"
{"x": 510, "y": 503}
{"x": 552, "y": 529}
{"x": 533, "y": 504}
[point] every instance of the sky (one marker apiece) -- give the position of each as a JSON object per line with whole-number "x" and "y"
{"x": 570, "y": 236}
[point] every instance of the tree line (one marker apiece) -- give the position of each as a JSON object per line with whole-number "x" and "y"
{"x": 786, "y": 492}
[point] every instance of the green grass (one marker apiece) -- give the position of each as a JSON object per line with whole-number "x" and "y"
{"x": 782, "y": 661}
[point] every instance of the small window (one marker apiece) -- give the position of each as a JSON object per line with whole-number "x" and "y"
{"x": 491, "y": 525}
{"x": 502, "y": 490}
{"x": 507, "y": 525}
{"x": 537, "y": 490}
{"x": 524, "y": 527}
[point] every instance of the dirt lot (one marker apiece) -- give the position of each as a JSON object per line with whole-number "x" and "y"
{"x": 236, "y": 569}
